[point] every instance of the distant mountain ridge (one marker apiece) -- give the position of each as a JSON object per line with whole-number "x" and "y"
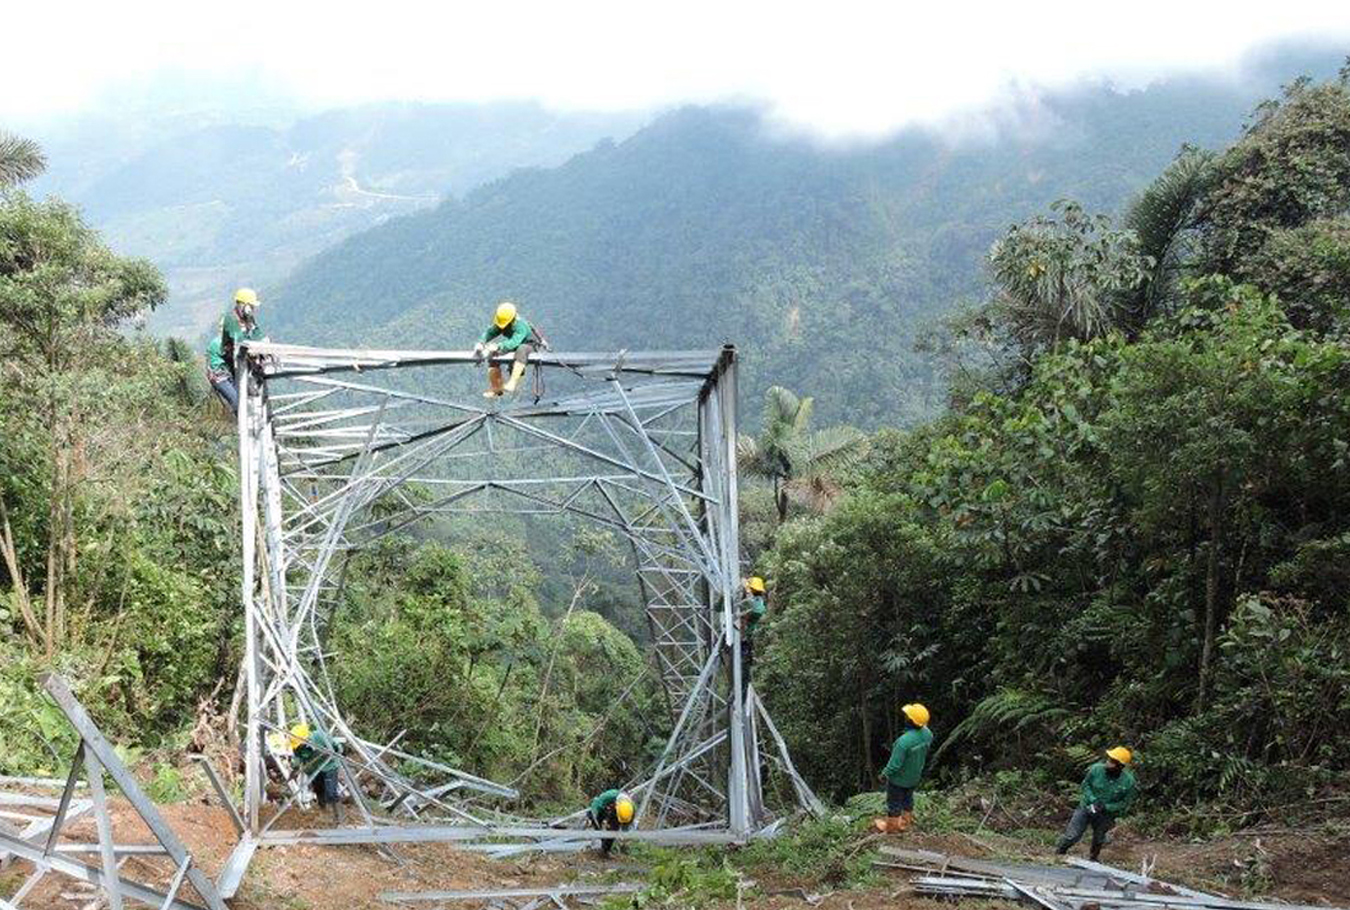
{"x": 704, "y": 227}
{"x": 219, "y": 203}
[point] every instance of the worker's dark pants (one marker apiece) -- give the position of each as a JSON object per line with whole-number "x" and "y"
{"x": 610, "y": 821}
{"x": 325, "y": 785}
{"x": 522, "y": 353}
{"x": 1101, "y": 823}
{"x": 899, "y": 800}
{"x": 747, "y": 661}
{"x": 227, "y": 392}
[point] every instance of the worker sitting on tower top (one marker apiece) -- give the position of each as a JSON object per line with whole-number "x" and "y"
{"x": 510, "y": 333}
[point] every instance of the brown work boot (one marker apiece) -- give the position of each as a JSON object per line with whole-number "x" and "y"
{"x": 904, "y": 822}
{"x": 888, "y": 825}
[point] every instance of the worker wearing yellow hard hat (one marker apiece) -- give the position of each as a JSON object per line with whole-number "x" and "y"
{"x": 316, "y": 755}
{"x": 903, "y": 772}
{"x": 510, "y": 333}
{"x": 1108, "y": 791}
{"x": 751, "y": 614}
{"x": 240, "y": 323}
{"x": 612, "y": 810}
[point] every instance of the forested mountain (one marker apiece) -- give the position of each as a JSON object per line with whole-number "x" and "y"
{"x": 823, "y": 264}
{"x": 217, "y": 201}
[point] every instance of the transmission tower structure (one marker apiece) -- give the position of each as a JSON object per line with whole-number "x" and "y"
{"x": 339, "y": 448}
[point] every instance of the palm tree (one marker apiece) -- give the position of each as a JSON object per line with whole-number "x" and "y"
{"x": 20, "y": 160}
{"x": 801, "y": 465}
{"x": 1163, "y": 218}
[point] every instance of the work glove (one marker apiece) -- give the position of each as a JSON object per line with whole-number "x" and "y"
{"x": 478, "y": 350}
{"x": 492, "y": 347}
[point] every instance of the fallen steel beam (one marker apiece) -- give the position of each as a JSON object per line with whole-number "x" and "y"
{"x": 91, "y": 874}
{"x": 410, "y": 897}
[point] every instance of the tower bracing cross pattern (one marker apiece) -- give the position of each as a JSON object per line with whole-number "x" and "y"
{"x": 339, "y": 448}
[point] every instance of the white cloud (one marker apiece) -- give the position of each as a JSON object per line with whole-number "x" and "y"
{"x": 839, "y": 67}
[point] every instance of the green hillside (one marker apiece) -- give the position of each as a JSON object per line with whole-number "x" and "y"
{"x": 823, "y": 264}
{"x": 218, "y": 200}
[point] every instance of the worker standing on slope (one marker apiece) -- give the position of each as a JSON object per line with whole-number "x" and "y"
{"x": 240, "y": 323}
{"x": 509, "y": 333}
{"x": 1108, "y": 791}
{"x": 754, "y": 611}
{"x": 903, "y": 771}
{"x": 612, "y": 810}
{"x": 316, "y": 753}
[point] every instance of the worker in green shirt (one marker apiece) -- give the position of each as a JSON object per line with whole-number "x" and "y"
{"x": 750, "y": 617}
{"x": 316, "y": 754}
{"x": 509, "y": 333}
{"x": 240, "y": 323}
{"x": 903, "y": 771}
{"x": 1108, "y": 791}
{"x": 612, "y": 810}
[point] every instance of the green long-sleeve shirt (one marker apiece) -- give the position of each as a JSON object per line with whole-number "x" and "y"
{"x": 312, "y": 761}
{"x": 231, "y": 328}
{"x": 1116, "y": 794}
{"x": 603, "y": 802}
{"x": 754, "y": 611}
{"x": 215, "y": 356}
{"x": 908, "y": 756}
{"x": 516, "y": 333}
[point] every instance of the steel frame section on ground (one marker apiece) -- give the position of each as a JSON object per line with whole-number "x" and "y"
{"x": 338, "y": 448}
{"x": 40, "y": 842}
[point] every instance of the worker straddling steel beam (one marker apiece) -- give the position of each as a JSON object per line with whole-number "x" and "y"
{"x": 240, "y": 323}
{"x": 611, "y": 810}
{"x": 903, "y": 772}
{"x": 510, "y": 333}
{"x": 1107, "y": 793}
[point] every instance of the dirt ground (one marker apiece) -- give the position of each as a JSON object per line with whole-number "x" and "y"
{"x": 1296, "y": 866}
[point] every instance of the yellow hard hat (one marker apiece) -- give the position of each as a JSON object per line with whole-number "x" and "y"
{"x": 755, "y": 584}
{"x": 246, "y": 297}
{"x": 917, "y": 713}
{"x": 623, "y": 808}
{"x": 506, "y": 313}
{"x": 299, "y": 733}
{"x": 1120, "y": 754}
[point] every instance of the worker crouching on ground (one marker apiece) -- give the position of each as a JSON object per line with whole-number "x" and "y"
{"x": 240, "y": 323}
{"x": 754, "y": 611}
{"x": 1108, "y": 791}
{"x": 509, "y": 333}
{"x": 903, "y": 771}
{"x": 612, "y": 810}
{"x": 316, "y": 754}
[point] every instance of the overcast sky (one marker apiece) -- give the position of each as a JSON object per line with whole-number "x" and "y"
{"x": 841, "y": 68}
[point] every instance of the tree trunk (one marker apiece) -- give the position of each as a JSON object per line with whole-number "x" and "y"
{"x": 865, "y": 729}
{"x": 1213, "y": 586}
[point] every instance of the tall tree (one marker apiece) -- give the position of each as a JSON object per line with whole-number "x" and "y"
{"x": 62, "y": 296}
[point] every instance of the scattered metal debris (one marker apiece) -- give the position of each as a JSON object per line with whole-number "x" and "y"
{"x": 1079, "y": 885}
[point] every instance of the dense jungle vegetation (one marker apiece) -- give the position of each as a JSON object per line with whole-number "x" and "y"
{"x": 1128, "y": 524}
